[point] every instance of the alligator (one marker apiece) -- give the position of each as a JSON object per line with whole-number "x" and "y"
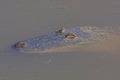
{"x": 60, "y": 38}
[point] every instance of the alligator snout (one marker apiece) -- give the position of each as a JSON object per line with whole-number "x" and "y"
{"x": 20, "y": 45}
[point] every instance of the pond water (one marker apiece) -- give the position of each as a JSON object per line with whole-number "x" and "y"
{"x": 24, "y": 19}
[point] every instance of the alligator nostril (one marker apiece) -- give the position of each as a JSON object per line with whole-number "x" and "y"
{"x": 20, "y": 45}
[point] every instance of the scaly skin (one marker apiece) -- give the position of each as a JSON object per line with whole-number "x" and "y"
{"x": 60, "y": 38}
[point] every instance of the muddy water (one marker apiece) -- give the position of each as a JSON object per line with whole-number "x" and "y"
{"x": 23, "y": 19}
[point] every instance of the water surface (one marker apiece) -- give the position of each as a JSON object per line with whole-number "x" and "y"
{"x": 24, "y": 19}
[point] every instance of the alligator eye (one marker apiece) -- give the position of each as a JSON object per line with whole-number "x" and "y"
{"x": 20, "y": 45}
{"x": 61, "y": 31}
{"x": 70, "y": 36}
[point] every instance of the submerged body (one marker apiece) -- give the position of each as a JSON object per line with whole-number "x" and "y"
{"x": 60, "y": 38}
